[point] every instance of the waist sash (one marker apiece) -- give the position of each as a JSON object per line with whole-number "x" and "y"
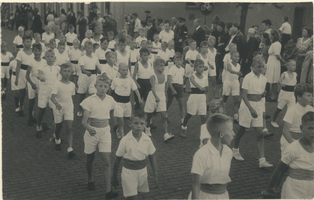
{"x": 24, "y": 67}
{"x": 92, "y": 71}
{"x": 20, "y": 46}
{"x": 197, "y": 91}
{"x": 214, "y": 188}
{"x": 74, "y": 61}
{"x": 69, "y": 44}
{"x": 133, "y": 63}
{"x": 288, "y": 88}
{"x": 254, "y": 97}
{"x": 98, "y": 123}
{"x": 121, "y": 99}
{"x": 134, "y": 164}
{"x": 102, "y": 61}
{"x": 301, "y": 174}
{"x": 154, "y": 52}
{"x": 5, "y": 64}
{"x": 14, "y": 73}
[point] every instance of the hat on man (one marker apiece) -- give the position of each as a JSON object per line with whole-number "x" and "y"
{"x": 222, "y": 24}
{"x": 181, "y": 19}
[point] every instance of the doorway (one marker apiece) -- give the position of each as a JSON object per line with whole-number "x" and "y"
{"x": 298, "y": 22}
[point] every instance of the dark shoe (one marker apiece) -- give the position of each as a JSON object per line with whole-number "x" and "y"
{"x": 111, "y": 195}
{"x": 270, "y": 195}
{"x": 91, "y": 186}
{"x": 45, "y": 126}
{"x": 58, "y": 147}
{"x": 152, "y": 127}
{"x": 31, "y": 121}
{"x": 21, "y": 113}
{"x": 267, "y": 116}
{"x": 39, "y": 134}
{"x": 236, "y": 121}
{"x": 268, "y": 135}
{"x": 71, "y": 154}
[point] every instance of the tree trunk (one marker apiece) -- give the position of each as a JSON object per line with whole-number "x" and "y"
{"x": 244, "y": 10}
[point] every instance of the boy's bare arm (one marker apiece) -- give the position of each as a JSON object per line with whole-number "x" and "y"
{"x": 196, "y": 186}
{"x": 116, "y": 164}
{"x": 286, "y": 132}
{"x": 247, "y": 103}
{"x": 153, "y": 163}
{"x": 277, "y": 176}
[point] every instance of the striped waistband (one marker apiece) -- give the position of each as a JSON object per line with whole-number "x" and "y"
{"x": 74, "y": 61}
{"x": 24, "y": 67}
{"x": 5, "y": 63}
{"x": 102, "y": 61}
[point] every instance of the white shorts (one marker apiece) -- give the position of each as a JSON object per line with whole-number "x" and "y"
{"x": 22, "y": 79}
{"x": 44, "y": 99}
{"x": 76, "y": 69}
{"x": 123, "y": 110}
{"x": 212, "y": 72}
{"x": 5, "y": 72}
{"x": 196, "y": 104}
{"x": 297, "y": 189}
{"x": 285, "y": 98}
{"x": 151, "y": 105}
{"x": 86, "y": 84}
{"x": 13, "y": 86}
{"x": 102, "y": 139}
{"x": 66, "y": 113}
{"x": 204, "y": 195}
{"x": 188, "y": 70}
{"x": 32, "y": 93}
{"x": 134, "y": 181}
{"x": 263, "y": 100}
{"x": 223, "y": 75}
{"x": 232, "y": 87}
{"x": 245, "y": 118}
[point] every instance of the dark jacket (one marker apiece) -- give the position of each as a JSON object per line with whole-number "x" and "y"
{"x": 239, "y": 40}
{"x": 199, "y": 35}
{"x": 37, "y": 26}
{"x": 151, "y": 32}
{"x": 180, "y": 33}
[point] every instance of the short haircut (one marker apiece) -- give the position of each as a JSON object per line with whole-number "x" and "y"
{"x": 89, "y": 32}
{"x": 258, "y": 60}
{"x": 198, "y": 20}
{"x": 267, "y": 22}
{"x": 52, "y": 40}
{"x": 61, "y": 44}
{"x": 286, "y": 18}
{"x": 76, "y": 41}
{"x": 166, "y": 22}
{"x": 121, "y": 40}
{"x": 198, "y": 62}
{"x": 204, "y": 43}
{"x": 37, "y": 46}
{"x": 29, "y": 32}
{"x": 138, "y": 113}
{"x": 191, "y": 41}
{"x": 229, "y": 25}
{"x": 102, "y": 78}
{"x": 288, "y": 62}
{"x": 211, "y": 38}
{"x": 255, "y": 26}
{"x": 104, "y": 39}
{"x": 27, "y": 37}
{"x": 158, "y": 62}
{"x": 50, "y": 51}
{"x": 178, "y": 55}
{"x": 216, "y": 122}
{"x": 70, "y": 26}
{"x": 308, "y": 117}
{"x": 216, "y": 106}
{"x": 164, "y": 44}
{"x": 37, "y": 34}
{"x": 65, "y": 65}
{"x": 21, "y": 28}
{"x": 237, "y": 25}
{"x": 88, "y": 43}
{"x": 144, "y": 50}
{"x": 302, "y": 88}
{"x": 233, "y": 52}
{"x": 109, "y": 54}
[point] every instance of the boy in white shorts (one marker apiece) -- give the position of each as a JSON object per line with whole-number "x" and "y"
{"x": 70, "y": 36}
{"x": 33, "y": 82}
{"x": 190, "y": 58}
{"x": 231, "y": 83}
{"x": 134, "y": 171}
{"x": 156, "y": 99}
{"x": 14, "y": 88}
{"x": 288, "y": 80}
{"x": 47, "y": 75}
{"x": 251, "y": 109}
{"x": 196, "y": 104}
{"x": 122, "y": 87}
{"x": 96, "y": 122}
{"x": 89, "y": 65}
{"x": 6, "y": 58}
{"x": 63, "y": 108}
{"x": 23, "y": 58}
{"x": 291, "y": 130}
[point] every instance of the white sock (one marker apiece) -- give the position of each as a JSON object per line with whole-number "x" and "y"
{"x": 235, "y": 150}
{"x": 38, "y": 128}
{"x": 70, "y": 149}
{"x": 58, "y": 141}
{"x": 261, "y": 160}
{"x": 265, "y": 129}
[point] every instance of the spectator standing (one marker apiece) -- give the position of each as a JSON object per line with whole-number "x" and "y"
{"x": 199, "y": 33}
{"x": 167, "y": 34}
{"x": 285, "y": 31}
{"x": 151, "y": 30}
{"x": 265, "y": 44}
{"x": 82, "y": 24}
{"x": 250, "y": 47}
{"x": 174, "y": 23}
{"x": 71, "y": 19}
{"x": 180, "y": 34}
{"x": 110, "y": 25}
{"x": 137, "y": 24}
{"x": 92, "y": 16}
{"x": 266, "y": 26}
{"x": 37, "y": 26}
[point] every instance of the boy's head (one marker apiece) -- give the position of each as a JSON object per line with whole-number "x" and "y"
{"x": 95, "y": 46}
{"x": 121, "y": 44}
{"x": 149, "y": 45}
{"x": 199, "y": 66}
{"x": 143, "y": 44}
{"x": 66, "y": 71}
{"x": 211, "y": 41}
{"x": 216, "y": 106}
{"x": 291, "y": 65}
{"x": 171, "y": 44}
{"x": 141, "y": 32}
{"x": 233, "y": 47}
{"x": 76, "y": 44}
{"x": 61, "y": 47}
{"x": 258, "y": 64}
{"x": 71, "y": 28}
{"x": 164, "y": 46}
{"x": 104, "y": 41}
{"x": 62, "y": 38}
{"x": 221, "y": 126}
{"x": 27, "y": 41}
{"x": 102, "y": 84}
{"x": 159, "y": 64}
{"x": 58, "y": 34}
{"x": 123, "y": 69}
{"x": 138, "y": 121}
{"x": 156, "y": 37}
{"x": 144, "y": 54}
{"x": 192, "y": 44}
{"x": 20, "y": 31}
{"x": 128, "y": 39}
{"x": 178, "y": 59}
{"x": 37, "y": 49}
{"x": 111, "y": 57}
{"x": 303, "y": 93}
{"x": 4, "y": 46}
{"x": 307, "y": 126}
{"x": 89, "y": 34}
{"x": 88, "y": 47}
{"x": 204, "y": 46}
{"x": 50, "y": 56}
{"x": 133, "y": 44}
{"x": 37, "y": 37}
{"x": 167, "y": 25}
{"x": 235, "y": 56}
{"x": 110, "y": 35}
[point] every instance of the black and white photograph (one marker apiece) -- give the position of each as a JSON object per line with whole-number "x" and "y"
{"x": 157, "y": 100}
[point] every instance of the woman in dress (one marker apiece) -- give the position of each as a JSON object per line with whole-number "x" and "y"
{"x": 273, "y": 63}
{"x": 303, "y": 45}
{"x": 265, "y": 46}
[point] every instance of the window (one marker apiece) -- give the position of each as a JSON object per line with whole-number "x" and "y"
{"x": 191, "y": 5}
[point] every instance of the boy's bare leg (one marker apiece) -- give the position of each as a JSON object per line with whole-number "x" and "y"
{"x": 107, "y": 168}
{"x": 260, "y": 141}
{"x": 68, "y": 124}
{"x": 89, "y": 166}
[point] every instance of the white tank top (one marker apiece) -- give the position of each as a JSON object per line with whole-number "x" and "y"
{"x": 201, "y": 82}
{"x": 205, "y": 60}
{"x": 121, "y": 58}
{"x": 160, "y": 87}
{"x": 288, "y": 81}
{"x": 144, "y": 73}
{"x": 212, "y": 56}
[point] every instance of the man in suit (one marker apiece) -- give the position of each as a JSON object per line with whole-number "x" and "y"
{"x": 82, "y": 25}
{"x": 37, "y": 26}
{"x": 199, "y": 34}
{"x": 151, "y": 30}
{"x": 237, "y": 38}
{"x": 180, "y": 34}
{"x": 250, "y": 47}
